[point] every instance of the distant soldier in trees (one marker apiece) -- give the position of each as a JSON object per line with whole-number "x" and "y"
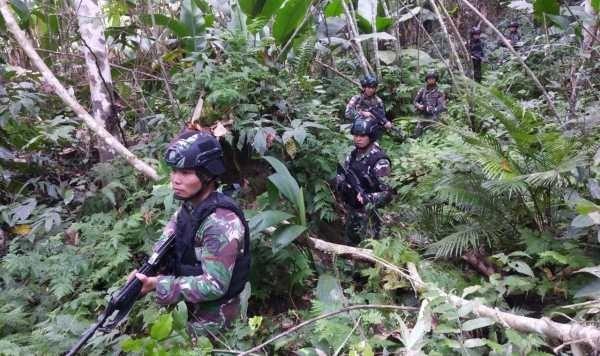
{"x": 476, "y": 48}
{"x": 430, "y": 102}
{"x": 368, "y": 105}
{"x": 513, "y": 36}
{"x": 210, "y": 262}
{"x": 362, "y": 183}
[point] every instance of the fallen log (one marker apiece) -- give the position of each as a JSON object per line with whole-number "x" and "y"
{"x": 567, "y": 333}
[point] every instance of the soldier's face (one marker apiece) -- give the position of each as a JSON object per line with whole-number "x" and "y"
{"x": 476, "y": 36}
{"x": 185, "y": 183}
{"x": 431, "y": 81}
{"x": 513, "y": 29}
{"x": 361, "y": 141}
{"x": 370, "y": 91}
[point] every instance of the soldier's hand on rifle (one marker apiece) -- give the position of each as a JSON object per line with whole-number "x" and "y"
{"x": 388, "y": 125}
{"x": 148, "y": 283}
{"x": 367, "y": 114}
{"x": 131, "y": 275}
{"x": 420, "y": 106}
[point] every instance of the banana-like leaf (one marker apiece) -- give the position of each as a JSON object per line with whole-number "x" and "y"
{"x": 285, "y": 235}
{"x": 288, "y": 18}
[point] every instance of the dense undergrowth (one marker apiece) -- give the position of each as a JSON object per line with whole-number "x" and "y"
{"x": 499, "y": 180}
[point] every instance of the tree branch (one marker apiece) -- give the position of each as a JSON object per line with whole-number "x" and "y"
{"x": 544, "y": 326}
{"x": 338, "y": 72}
{"x": 110, "y": 141}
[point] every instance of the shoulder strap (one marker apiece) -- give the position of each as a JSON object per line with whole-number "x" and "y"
{"x": 375, "y": 157}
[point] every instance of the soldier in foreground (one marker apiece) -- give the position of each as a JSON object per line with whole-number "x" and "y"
{"x": 476, "y": 48}
{"x": 210, "y": 261}
{"x": 361, "y": 182}
{"x": 367, "y": 104}
{"x": 430, "y": 102}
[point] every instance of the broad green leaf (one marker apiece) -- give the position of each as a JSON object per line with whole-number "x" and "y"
{"x": 596, "y": 5}
{"x": 466, "y": 309}
{"x": 180, "y": 316}
{"x": 266, "y": 219}
{"x": 586, "y": 207}
{"x": 470, "y": 290}
{"x": 162, "y": 327}
{"x": 132, "y": 345}
{"x": 548, "y": 7}
{"x": 310, "y": 351}
{"x": 251, "y": 7}
{"x": 383, "y": 23}
{"x": 285, "y": 235}
{"x": 270, "y": 7}
{"x": 471, "y": 343}
{"x": 283, "y": 180}
{"x": 561, "y": 22}
{"x": 521, "y": 267}
{"x": 288, "y": 18}
{"x": 178, "y": 28}
{"x": 334, "y": 8}
{"x": 23, "y": 211}
{"x": 286, "y": 186}
{"x": 476, "y": 324}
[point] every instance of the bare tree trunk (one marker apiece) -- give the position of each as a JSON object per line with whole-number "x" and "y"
{"x": 67, "y": 98}
{"x": 93, "y": 46}
{"x": 591, "y": 29}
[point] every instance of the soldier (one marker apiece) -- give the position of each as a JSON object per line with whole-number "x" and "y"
{"x": 513, "y": 36}
{"x": 210, "y": 261}
{"x": 430, "y": 102}
{"x": 476, "y": 50}
{"x": 362, "y": 183}
{"x": 367, "y": 104}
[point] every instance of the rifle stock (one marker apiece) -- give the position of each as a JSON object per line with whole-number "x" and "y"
{"x": 123, "y": 300}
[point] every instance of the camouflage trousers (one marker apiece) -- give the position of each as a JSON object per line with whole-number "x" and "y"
{"x": 205, "y": 319}
{"x": 361, "y": 225}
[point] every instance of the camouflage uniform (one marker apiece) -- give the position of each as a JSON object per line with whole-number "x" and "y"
{"x": 361, "y": 102}
{"x": 364, "y": 222}
{"x": 435, "y": 103}
{"x": 513, "y": 37}
{"x": 476, "y": 48}
{"x": 218, "y": 242}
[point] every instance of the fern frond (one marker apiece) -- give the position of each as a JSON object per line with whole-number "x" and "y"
{"x": 466, "y": 237}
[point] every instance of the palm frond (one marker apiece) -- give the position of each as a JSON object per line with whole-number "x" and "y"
{"x": 468, "y": 236}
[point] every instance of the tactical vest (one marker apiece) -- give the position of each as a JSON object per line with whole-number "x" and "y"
{"x": 430, "y": 98}
{"x": 476, "y": 49}
{"x": 184, "y": 256}
{"x": 363, "y": 169}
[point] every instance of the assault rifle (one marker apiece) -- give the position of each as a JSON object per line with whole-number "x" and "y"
{"x": 122, "y": 301}
{"x": 380, "y": 117}
{"x": 351, "y": 187}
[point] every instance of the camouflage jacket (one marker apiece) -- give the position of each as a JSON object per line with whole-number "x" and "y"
{"x": 219, "y": 240}
{"x": 361, "y": 102}
{"x": 513, "y": 37}
{"x": 433, "y": 100}
{"x": 378, "y": 174}
{"x": 476, "y": 48}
